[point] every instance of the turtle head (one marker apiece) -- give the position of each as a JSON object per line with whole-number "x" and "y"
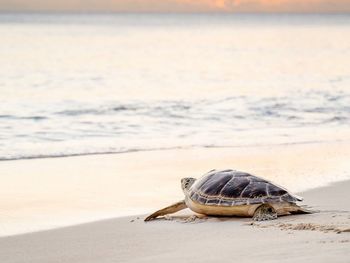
{"x": 186, "y": 183}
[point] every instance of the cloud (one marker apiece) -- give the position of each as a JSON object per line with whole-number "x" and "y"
{"x": 281, "y": 5}
{"x": 274, "y": 5}
{"x": 178, "y": 5}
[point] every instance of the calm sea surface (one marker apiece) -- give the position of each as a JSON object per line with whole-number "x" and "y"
{"x": 85, "y": 84}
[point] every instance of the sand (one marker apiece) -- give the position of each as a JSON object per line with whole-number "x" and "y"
{"x": 320, "y": 237}
{"x": 49, "y": 193}
{"x": 87, "y": 188}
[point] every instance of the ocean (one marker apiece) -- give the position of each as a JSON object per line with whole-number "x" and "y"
{"x": 78, "y": 84}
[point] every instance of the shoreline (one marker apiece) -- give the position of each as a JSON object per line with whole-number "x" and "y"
{"x": 319, "y": 237}
{"x": 281, "y": 144}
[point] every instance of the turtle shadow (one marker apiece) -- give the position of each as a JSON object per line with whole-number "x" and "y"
{"x": 199, "y": 218}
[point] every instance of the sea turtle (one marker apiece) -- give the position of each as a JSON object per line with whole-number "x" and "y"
{"x": 234, "y": 193}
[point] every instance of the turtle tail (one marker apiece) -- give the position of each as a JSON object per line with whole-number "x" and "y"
{"x": 168, "y": 210}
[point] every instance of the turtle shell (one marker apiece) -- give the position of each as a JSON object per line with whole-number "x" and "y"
{"x": 230, "y": 188}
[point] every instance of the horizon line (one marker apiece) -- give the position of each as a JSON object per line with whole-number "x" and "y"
{"x": 169, "y": 12}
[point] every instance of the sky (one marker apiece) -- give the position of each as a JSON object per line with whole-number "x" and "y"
{"x": 313, "y": 6}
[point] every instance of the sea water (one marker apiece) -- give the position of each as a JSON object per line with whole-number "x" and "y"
{"x": 76, "y": 84}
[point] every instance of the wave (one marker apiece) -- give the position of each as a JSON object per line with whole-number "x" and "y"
{"x": 77, "y": 154}
{"x": 311, "y": 107}
{"x": 75, "y": 128}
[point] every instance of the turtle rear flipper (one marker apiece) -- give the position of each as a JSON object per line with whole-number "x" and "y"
{"x": 302, "y": 210}
{"x": 168, "y": 210}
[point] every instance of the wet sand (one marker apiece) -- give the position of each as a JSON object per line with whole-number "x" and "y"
{"x": 51, "y": 193}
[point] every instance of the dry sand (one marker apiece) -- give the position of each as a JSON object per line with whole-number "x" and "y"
{"x": 50, "y": 193}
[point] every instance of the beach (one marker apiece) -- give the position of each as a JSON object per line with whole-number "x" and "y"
{"x": 35, "y": 207}
{"x": 321, "y": 237}
{"x": 300, "y": 238}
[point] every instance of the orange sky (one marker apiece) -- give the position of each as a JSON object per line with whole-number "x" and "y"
{"x": 178, "y": 5}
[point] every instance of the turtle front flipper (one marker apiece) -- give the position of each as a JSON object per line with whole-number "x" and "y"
{"x": 265, "y": 212}
{"x": 168, "y": 210}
